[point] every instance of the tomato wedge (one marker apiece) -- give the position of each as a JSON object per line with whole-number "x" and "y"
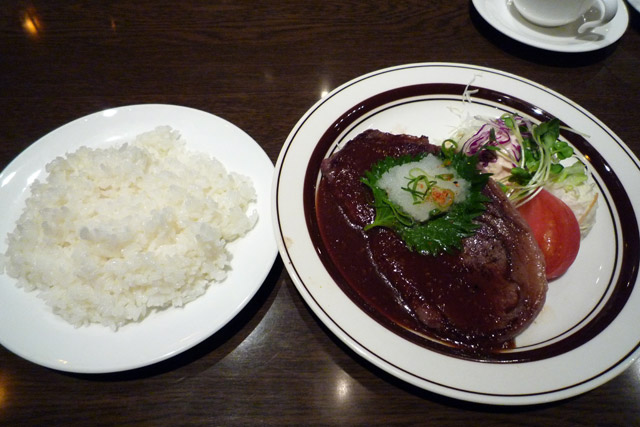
{"x": 556, "y": 230}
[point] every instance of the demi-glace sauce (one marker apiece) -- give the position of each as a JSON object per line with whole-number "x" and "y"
{"x": 348, "y": 247}
{"x": 477, "y": 299}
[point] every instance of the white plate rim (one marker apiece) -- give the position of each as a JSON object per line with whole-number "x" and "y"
{"x": 45, "y": 339}
{"x": 292, "y": 234}
{"x": 518, "y": 29}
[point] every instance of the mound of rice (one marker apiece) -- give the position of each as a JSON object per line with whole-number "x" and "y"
{"x": 115, "y": 233}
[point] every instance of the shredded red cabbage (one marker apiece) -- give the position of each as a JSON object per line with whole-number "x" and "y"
{"x": 502, "y": 138}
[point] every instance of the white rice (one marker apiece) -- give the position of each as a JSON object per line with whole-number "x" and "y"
{"x": 115, "y": 233}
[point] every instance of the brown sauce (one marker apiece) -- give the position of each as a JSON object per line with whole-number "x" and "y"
{"x": 474, "y": 301}
{"x": 347, "y": 245}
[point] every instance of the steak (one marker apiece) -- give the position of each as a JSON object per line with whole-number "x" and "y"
{"x": 480, "y": 297}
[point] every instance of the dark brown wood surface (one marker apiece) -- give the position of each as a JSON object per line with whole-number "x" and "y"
{"x": 261, "y": 65}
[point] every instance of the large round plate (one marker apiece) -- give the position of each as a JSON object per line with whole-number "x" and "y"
{"x": 31, "y": 330}
{"x": 587, "y": 332}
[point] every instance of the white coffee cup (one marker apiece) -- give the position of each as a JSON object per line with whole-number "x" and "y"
{"x": 555, "y": 13}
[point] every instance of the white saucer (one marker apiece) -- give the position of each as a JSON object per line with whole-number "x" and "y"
{"x": 635, "y": 4}
{"x": 503, "y": 16}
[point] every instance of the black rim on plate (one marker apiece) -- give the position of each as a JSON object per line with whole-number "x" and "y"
{"x": 624, "y": 273}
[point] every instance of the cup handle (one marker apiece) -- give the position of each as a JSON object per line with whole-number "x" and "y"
{"x": 609, "y": 9}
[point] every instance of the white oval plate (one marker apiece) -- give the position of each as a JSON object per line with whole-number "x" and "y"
{"x": 587, "y": 332}
{"x": 29, "y": 328}
{"x": 503, "y": 16}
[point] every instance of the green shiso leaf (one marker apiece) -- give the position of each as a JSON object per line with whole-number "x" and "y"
{"x": 444, "y": 232}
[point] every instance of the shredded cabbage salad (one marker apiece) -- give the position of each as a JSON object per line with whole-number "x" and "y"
{"x": 525, "y": 157}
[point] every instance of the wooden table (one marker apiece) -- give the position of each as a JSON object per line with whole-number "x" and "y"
{"x": 261, "y": 65}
